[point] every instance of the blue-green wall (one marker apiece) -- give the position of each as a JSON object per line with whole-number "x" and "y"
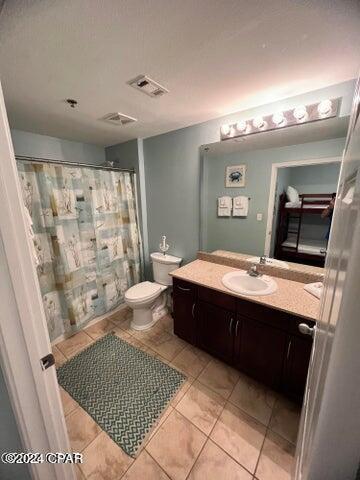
{"x": 172, "y": 170}
{"x": 9, "y": 437}
{"x": 315, "y": 178}
{"x": 247, "y": 235}
{"x": 42, "y": 146}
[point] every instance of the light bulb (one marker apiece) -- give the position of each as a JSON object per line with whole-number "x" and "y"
{"x": 241, "y": 126}
{"x": 279, "y": 119}
{"x": 324, "y": 108}
{"x": 225, "y": 129}
{"x": 300, "y": 113}
{"x": 259, "y": 123}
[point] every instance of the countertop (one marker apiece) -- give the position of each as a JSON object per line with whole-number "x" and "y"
{"x": 289, "y": 297}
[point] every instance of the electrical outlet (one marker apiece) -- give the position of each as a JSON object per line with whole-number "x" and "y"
{"x": 259, "y": 217}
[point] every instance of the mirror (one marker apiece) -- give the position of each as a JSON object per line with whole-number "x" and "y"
{"x": 272, "y": 194}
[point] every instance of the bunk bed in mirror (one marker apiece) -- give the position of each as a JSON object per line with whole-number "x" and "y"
{"x": 301, "y": 230}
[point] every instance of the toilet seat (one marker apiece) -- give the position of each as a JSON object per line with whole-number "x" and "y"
{"x": 142, "y": 291}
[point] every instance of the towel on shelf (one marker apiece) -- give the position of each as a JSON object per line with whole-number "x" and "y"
{"x": 240, "y": 206}
{"x": 224, "y": 206}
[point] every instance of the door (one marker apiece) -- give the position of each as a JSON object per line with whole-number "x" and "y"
{"x": 329, "y": 437}
{"x": 24, "y": 339}
{"x": 184, "y": 296}
{"x": 298, "y": 352}
{"x": 260, "y": 351}
{"x": 215, "y": 332}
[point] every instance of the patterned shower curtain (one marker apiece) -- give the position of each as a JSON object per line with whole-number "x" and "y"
{"x": 86, "y": 240}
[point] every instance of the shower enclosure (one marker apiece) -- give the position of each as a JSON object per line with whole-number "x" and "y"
{"x": 87, "y": 244}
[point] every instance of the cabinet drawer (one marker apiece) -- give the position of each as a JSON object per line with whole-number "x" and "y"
{"x": 270, "y": 316}
{"x": 185, "y": 288}
{"x": 219, "y": 299}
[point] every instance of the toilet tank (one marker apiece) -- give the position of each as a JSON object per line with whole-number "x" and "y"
{"x": 162, "y": 265}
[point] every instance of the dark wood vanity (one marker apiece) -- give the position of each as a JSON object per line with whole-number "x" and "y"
{"x": 260, "y": 341}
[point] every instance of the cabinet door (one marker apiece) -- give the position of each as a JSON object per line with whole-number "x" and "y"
{"x": 296, "y": 366}
{"x": 215, "y": 331}
{"x": 184, "y": 297}
{"x": 260, "y": 351}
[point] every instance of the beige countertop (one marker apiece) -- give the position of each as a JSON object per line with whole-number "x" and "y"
{"x": 289, "y": 297}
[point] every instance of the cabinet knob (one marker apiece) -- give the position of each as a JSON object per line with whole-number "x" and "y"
{"x": 306, "y": 330}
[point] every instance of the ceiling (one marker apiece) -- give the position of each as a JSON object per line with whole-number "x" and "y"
{"x": 215, "y": 57}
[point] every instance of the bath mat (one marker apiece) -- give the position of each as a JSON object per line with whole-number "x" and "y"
{"x": 122, "y": 388}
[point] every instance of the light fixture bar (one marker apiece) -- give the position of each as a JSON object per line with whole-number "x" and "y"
{"x": 296, "y": 116}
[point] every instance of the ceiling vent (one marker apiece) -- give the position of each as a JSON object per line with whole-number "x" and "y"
{"x": 148, "y": 86}
{"x": 118, "y": 118}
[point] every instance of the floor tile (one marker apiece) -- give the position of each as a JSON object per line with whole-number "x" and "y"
{"x": 164, "y": 416}
{"x": 219, "y": 377}
{"x": 201, "y": 406}
{"x": 120, "y": 315}
{"x": 176, "y": 446}
{"x": 68, "y": 403}
{"x": 190, "y": 361}
{"x": 255, "y": 399}
{"x": 214, "y": 464}
{"x": 79, "y": 474}
{"x": 60, "y": 359}
{"x": 121, "y": 333}
{"x": 104, "y": 459}
{"x": 182, "y": 390}
{"x": 240, "y": 436}
{"x": 167, "y": 323}
{"x": 276, "y": 459}
{"x": 285, "y": 419}
{"x": 100, "y": 328}
{"x": 145, "y": 468}
{"x": 74, "y": 344}
{"x": 81, "y": 429}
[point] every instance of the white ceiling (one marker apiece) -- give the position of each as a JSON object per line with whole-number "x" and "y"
{"x": 215, "y": 57}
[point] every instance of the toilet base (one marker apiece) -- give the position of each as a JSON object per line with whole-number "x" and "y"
{"x": 142, "y": 319}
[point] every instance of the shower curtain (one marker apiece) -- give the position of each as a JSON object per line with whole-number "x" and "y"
{"x": 86, "y": 239}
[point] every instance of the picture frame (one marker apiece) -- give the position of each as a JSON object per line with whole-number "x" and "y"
{"x": 235, "y": 176}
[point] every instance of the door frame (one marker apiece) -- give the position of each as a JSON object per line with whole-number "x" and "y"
{"x": 34, "y": 393}
{"x": 273, "y": 180}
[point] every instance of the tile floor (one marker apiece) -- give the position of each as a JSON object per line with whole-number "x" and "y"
{"x": 221, "y": 424}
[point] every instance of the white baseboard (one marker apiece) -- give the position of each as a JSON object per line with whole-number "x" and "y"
{"x": 92, "y": 322}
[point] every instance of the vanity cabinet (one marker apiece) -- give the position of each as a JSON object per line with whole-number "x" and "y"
{"x": 215, "y": 326}
{"x": 259, "y": 351}
{"x": 184, "y": 298}
{"x": 260, "y": 341}
{"x": 296, "y": 365}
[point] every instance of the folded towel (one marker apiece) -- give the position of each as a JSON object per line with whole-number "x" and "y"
{"x": 240, "y": 206}
{"x": 315, "y": 289}
{"x": 224, "y": 206}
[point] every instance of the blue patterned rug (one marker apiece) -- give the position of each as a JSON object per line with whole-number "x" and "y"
{"x": 122, "y": 388}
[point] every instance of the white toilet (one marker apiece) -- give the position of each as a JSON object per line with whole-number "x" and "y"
{"x": 148, "y": 300}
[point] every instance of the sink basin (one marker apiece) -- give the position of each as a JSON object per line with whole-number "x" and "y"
{"x": 273, "y": 262}
{"x": 241, "y": 282}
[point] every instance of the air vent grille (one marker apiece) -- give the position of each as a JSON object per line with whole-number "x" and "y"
{"x": 118, "y": 118}
{"x": 146, "y": 85}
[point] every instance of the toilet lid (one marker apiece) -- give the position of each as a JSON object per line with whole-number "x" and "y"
{"x": 142, "y": 291}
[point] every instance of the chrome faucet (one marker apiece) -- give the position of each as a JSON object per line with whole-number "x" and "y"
{"x": 253, "y": 272}
{"x": 263, "y": 260}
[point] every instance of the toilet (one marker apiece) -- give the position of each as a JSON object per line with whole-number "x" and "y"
{"x": 148, "y": 300}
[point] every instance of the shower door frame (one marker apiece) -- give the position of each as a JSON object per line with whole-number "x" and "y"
{"x": 24, "y": 340}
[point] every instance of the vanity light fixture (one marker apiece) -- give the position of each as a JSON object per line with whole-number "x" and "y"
{"x": 225, "y": 129}
{"x": 259, "y": 123}
{"x": 288, "y": 118}
{"x": 300, "y": 113}
{"x": 324, "y": 108}
{"x": 242, "y": 126}
{"x": 279, "y": 120}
